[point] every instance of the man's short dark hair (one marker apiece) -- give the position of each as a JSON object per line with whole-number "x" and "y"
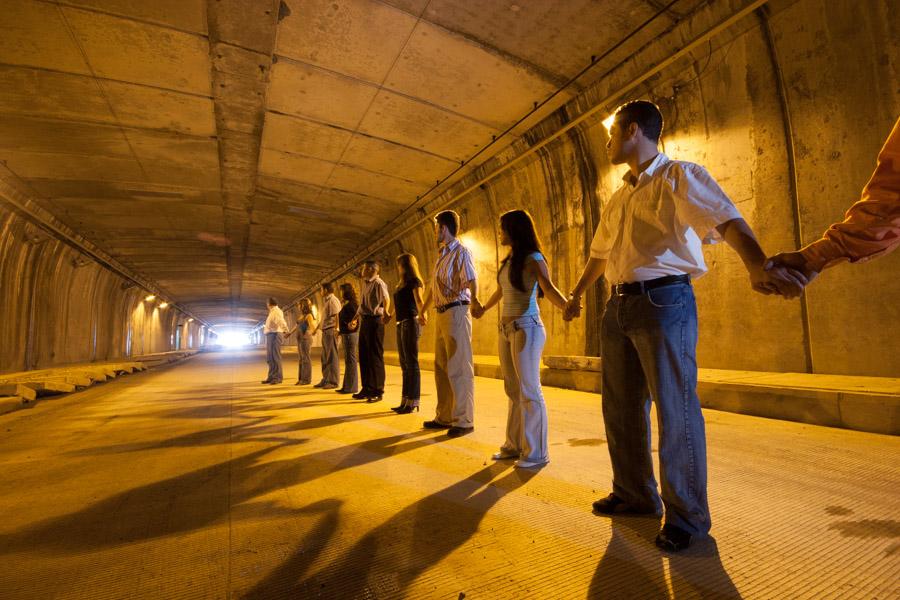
{"x": 645, "y": 114}
{"x": 373, "y": 263}
{"x": 328, "y": 287}
{"x": 449, "y": 219}
{"x": 273, "y": 302}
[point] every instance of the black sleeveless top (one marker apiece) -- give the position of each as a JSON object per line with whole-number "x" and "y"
{"x": 405, "y": 301}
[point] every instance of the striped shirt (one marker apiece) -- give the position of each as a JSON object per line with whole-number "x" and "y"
{"x": 374, "y": 295}
{"x": 452, "y": 273}
{"x": 330, "y": 312}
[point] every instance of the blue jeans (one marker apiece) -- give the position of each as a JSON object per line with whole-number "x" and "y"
{"x": 649, "y": 344}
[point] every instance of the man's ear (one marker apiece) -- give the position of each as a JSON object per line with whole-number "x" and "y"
{"x": 632, "y": 130}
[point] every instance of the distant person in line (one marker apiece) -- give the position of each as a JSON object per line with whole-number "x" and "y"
{"x": 522, "y": 278}
{"x": 274, "y": 330}
{"x": 348, "y": 328}
{"x": 374, "y": 312}
{"x": 648, "y": 245}
{"x": 306, "y": 325}
{"x": 407, "y": 306}
{"x": 871, "y": 227}
{"x": 331, "y": 368}
{"x": 454, "y": 286}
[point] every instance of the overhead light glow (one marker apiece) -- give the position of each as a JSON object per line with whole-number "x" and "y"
{"x": 163, "y": 304}
{"x": 191, "y": 320}
{"x": 150, "y": 298}
{"x": 608, "y": 122}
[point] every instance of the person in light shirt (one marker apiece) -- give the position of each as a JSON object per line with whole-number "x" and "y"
{"x": 331, "y": 369}
{"x": 454, "y": 286}
{"x": 648, "y": 246}
{"x": 274, "y": 330}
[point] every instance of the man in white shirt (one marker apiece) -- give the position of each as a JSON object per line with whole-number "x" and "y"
{"x": 274, "y": 330}
{"x": 648, "y": 246}
{"x": 328, "y": 325}
{"x": 453, "y": 287}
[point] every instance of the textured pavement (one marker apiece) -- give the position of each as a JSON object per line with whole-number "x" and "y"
{"x": 195, "y": 481}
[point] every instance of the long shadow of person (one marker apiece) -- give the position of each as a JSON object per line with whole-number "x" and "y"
{"x": 393, "y": 555}
{"x": 633, "y": 567}
{"x": 195, "y": 499}
{"x": 278, "y": 583}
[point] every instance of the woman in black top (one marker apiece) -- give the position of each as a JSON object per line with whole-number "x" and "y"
{"x": 348, "y": 328}
{"x": 408, "y": 305}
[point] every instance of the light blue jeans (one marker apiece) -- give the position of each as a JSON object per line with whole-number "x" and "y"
{"x": 521, "y": 344}
{"x": 649, "y": 347}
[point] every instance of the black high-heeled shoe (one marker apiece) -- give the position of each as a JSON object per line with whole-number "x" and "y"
{"x": 405, "y": 410}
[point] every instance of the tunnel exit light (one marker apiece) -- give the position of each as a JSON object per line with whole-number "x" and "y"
{"x": 233, "y": 339}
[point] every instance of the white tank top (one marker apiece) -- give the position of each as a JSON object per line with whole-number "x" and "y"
{"x": 517, "y": 303}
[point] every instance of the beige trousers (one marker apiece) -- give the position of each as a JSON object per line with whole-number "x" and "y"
{"x": 454, "y": 371}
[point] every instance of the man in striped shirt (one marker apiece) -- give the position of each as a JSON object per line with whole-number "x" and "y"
{"x": 453, "y": 287}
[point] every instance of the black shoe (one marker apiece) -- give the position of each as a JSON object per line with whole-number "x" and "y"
{"x": 672, "y": 538}
{"x": 613, "y": 505}
{"x": 455, "y": 432}
{"x": 372, "y": 399}
{"x": 342, "y": 391}
{"x": 360, "y": 396}
{"x": 266, "y": 382}
{"x": 434, "y": 425}
{"x": 405, "y": 410}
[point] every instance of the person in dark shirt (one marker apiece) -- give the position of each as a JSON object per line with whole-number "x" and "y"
{"x": 348, "y": 328}
{"x": 407, "y": 307}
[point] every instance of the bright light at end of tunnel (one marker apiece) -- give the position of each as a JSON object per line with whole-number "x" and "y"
{"x": 233, "y": 339}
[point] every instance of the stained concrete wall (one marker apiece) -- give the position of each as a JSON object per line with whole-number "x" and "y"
{"x": 58, "y": 307}
{"x": 814, "y": 83}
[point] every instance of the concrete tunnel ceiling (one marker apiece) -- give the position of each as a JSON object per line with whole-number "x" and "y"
{"x": 231, "y": 150}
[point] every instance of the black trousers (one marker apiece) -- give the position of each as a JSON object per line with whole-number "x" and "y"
{"x": 371, "y": 355}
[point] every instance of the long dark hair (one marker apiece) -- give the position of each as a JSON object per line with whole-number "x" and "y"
{"x": 411, "y": 274}
{"x": 519, "y": 227}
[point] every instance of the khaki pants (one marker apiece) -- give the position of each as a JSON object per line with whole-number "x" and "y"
{"x": 454, "y": 371}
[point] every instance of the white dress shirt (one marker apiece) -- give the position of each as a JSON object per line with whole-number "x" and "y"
{"x": 655, "y": 225}
{"x": 374, "y": 296}
{"x": 452, "y": 273}
{"x": 275, "y": 322}
{"x": 330, "y": 312}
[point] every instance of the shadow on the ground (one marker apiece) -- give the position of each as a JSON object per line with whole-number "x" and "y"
{"x": 633, "y": 567}
{"x": 389, "y": 558}
{"x": 196, "y": 499}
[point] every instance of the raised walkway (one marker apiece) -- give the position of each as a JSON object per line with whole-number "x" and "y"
{"x": 195, "y": 481}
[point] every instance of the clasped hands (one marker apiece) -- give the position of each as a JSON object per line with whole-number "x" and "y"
{"x": 786, "y": 274}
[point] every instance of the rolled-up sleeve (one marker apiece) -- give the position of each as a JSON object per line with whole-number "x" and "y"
{"x": 466, "y": 267}
{"x": 601, "y": 244}
{"x": 700, "y": 202}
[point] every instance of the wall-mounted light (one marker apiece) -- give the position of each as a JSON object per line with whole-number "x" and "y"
{"x": 190, "y": 320}
{"x": 150, "y": 298}
{"x": 163, "y": 304}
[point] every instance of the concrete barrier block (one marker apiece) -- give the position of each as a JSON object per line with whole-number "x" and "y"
{"x": 875, "y": 413}
{"x": 21, "y": 390}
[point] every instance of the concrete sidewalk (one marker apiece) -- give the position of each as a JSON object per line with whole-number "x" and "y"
{"x": 195, "y": 481}
{"x": 861, "y": 403}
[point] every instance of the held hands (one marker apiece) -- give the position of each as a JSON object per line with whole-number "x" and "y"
{"x": 477, "y": 308}
{"x": 783, "y": 281}
{"x": 794, "y": 261}
{"x": 422, "y": 319}
{"x": 572, "y": 309}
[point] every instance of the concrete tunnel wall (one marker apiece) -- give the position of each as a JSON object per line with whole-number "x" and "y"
{"x": 725, "y": 112}
{"x": 58, "y": 307}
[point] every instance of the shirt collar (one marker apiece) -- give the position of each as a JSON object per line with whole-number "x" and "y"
{"x": 445, "y": 248}
{"x": 660, "y": 160}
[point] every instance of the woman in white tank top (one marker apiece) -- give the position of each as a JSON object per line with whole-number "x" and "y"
{"x": 523, "y": 277}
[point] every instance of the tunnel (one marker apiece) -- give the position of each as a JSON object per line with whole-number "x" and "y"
{"x": 168, "y": 168}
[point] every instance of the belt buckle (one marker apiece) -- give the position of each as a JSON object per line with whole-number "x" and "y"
{"x": 618, "y": 289}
